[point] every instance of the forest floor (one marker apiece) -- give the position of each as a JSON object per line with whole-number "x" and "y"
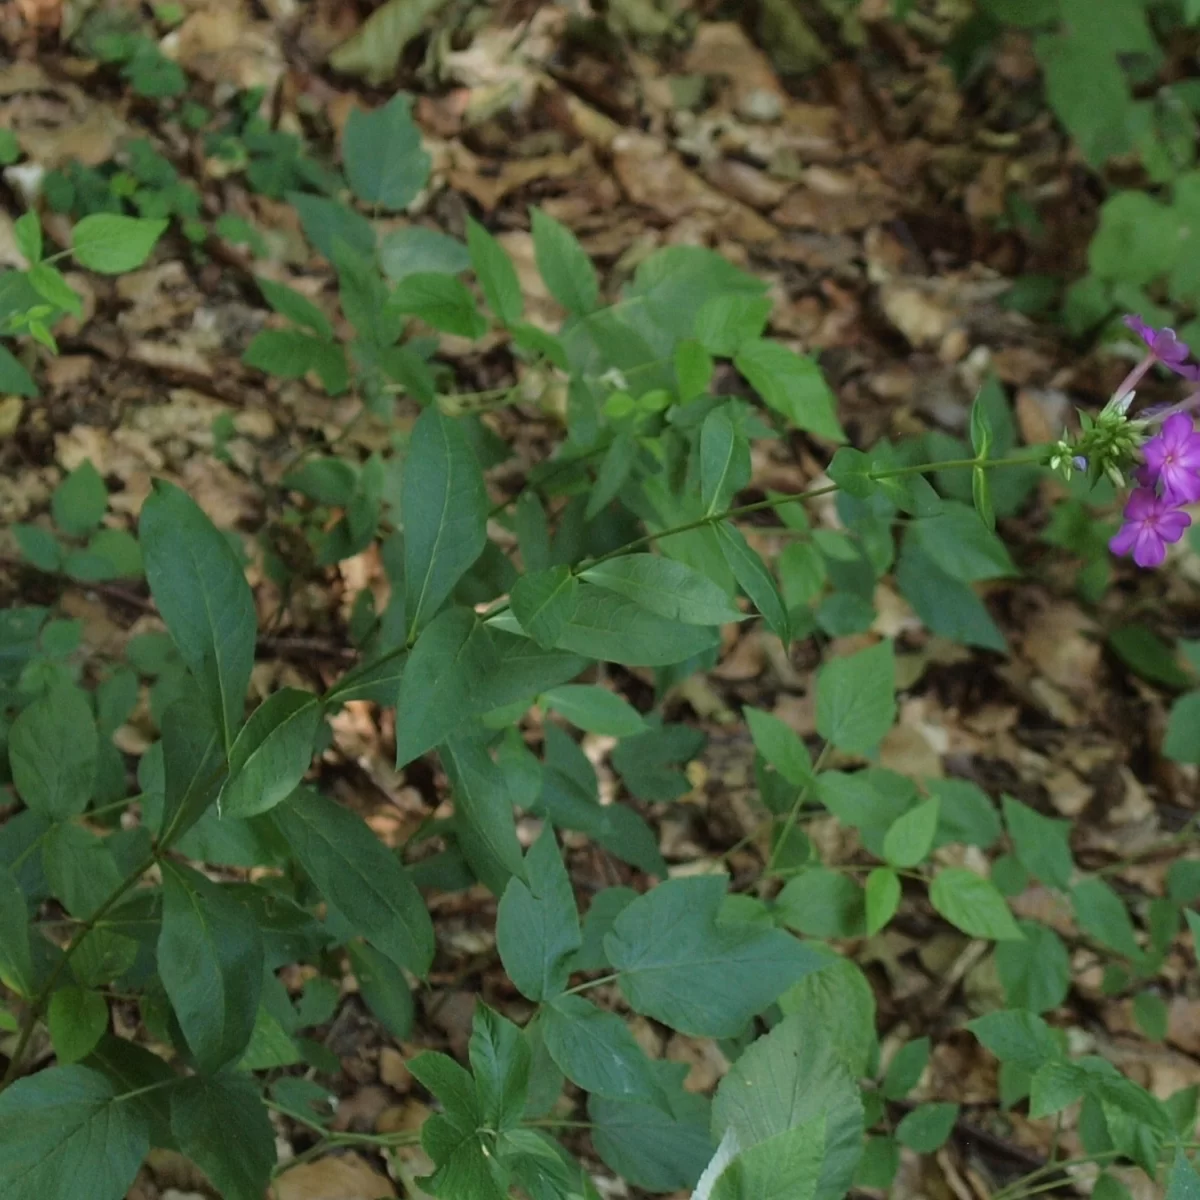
{"x": 888, "y": 210}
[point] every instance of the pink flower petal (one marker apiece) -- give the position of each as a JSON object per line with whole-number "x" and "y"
{"x": 1149, "y": 550}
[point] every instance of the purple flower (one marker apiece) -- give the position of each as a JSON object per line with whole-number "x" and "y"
{"x": 1151, "y": 522}
{"x": 1162, "y": 344}
{"x": 1173, "y": 460}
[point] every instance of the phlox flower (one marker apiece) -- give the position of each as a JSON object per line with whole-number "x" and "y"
{"x": 1152, "y": 522}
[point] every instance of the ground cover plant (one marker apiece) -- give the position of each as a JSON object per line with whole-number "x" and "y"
{"x": 588, "y": 994}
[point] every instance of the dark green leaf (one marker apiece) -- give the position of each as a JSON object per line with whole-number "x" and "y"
{"x": 910, "y": 837}
{"x": 544, "y": 603}
{"x": 693, "y": 370}
{"x": 331, "y": 481}
{"x": 271, "y": 753}
{"x": 385, "y": 163}
{"x": 604, "y": 909}
{"x": 881, "y": 899}
{"x": 80, "y": 501}
{"x": 52, "y": 749}
{"x": 1147, "y": 654}
{"x": 1017, "y": 1036}
{"x": 442, "y": 301}
{"x": 39, "y": 545}
{"x": 445, "y": 509}
{"x": 326, "y": 221}
{"x": 727, "y": 321}
{"x": 16, "y": 962}
{"x": 971, "y": 903}
{"x": 51, "y": 1126}
{"x": 780, "y": 745}
{"x": 484, "y": 821}
{"x": 596, "y": 1052}
{"x": 793, "y": 386}
{"x": 497, "y": 276}
{"x": 611, "y": 628}
{"x": 822, "y": 903}
{"x": 500, "y": 1059}
{"x": 537, "y": 927}
{"x": 1035, "y": 972}
{"x": 355, "y": 873}
{"x": 383, "y": 987}
{"x": 906, "y": 1068}
{"x": 963, "y": 547}
{"x": 708, "y": 979}
{"x": 201, "y": 592}
{"x": 80, "y": 867}
{"x": 1041, "y": 844}
{"x": 193, "y": 765}
{"x": 966, "y": 814}
{"x": 927, "y": 1127}
{"x": 754, "y": 579}
{"x": 111, "y": 244}
{"x": 564, "y": 265}
{"x": 416, "y": 250}
{"x": 14, "y": 379}
{"x": 1182, "y": 742}
{"x": 451, "y": 662}
{"x": 294, "y": 306}
{"x": 724, "y": 461}
{"x": 856, "y": 698}
{"x": 660, "y": 1151}
{"x": 210, "y": 959}
{"x": 595, "y": 709}
{"x": 1102, "y": 915}
{"x": 665, "y": 586}
{"x": 221, "y": 1124}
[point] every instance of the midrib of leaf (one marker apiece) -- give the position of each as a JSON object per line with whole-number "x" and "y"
{"x": 212, "y": 628}
{"x": 437, "y": 541}
{"x": 210, "y": 941}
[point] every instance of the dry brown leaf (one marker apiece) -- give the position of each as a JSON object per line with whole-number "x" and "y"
{"x": 345, "y": 1177}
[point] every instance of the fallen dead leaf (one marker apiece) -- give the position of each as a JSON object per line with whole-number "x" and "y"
{"x": 345, "y": 1177}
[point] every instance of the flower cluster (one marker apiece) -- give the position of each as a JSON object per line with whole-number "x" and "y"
{"x": 1168, "y": 476}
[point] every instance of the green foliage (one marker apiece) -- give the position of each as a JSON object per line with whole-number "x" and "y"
{"x": 628, "y": 550}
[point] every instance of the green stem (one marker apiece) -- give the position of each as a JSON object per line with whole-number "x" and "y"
{"x": 43, "y": 994}
{"x": 591, "y": 983}
{"x": 794, "y": 813}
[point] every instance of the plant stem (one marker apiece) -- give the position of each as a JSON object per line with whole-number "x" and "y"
{"x": 38, "y": 1003}
{"x": 794, "y": 813}
{"x": 591, "y": 983}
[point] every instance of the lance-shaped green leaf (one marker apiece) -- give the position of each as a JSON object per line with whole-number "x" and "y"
{"x": 52, "y": 750}
{"x": 201, "y": 592}
{"x": 973, "y": 904}
{"x": 65, "y": 1134}
{"x": 611, "y": 628}
{"x": 193, "y": 765}
{"x": 442, "y": 679}
{"x": 355, "y": 873}
{"x": 495, "y": 272}
{"x": 445, "y": 509}
{"x": 483, "y": 810}
{"x": 754, "y": 579}
{"x": 16, "y": 962}
{"x": 708, "y": 978}
{"x": 595, "y": 1051}
{"x": 595, "y": 709}
{"x": 221, "y": 1124}
{"x": 564, "y": 265}
{"x": 210, "y": 959}
{"x": 537, "y": 927}
{"x": 77, "y": 1019}
{"x": 665, "y": 586}
{"x": 112, "y": 244}
{"x": 724, "y": 461}
{"x": 500, "y": 1059}
{"x": 271, "y": 753}
{"x": 792, "y": 385}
